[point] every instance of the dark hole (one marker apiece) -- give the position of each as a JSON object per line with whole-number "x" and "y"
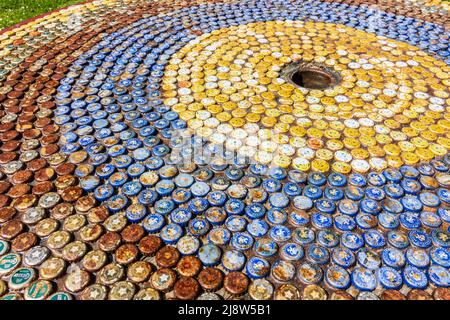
{"x": 313, "y": 79}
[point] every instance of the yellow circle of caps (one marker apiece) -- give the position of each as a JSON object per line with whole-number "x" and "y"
{"x": 377, "y": 113}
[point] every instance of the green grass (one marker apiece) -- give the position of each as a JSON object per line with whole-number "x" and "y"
{"x": 15, "y": 11}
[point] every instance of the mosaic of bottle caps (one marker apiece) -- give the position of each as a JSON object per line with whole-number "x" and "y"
{"x": 254, "y": 149}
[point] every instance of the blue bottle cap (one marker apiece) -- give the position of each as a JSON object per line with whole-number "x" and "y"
{"x": 237, "y": 191}
{"x": 219, "y": 236}
{"x": 411, "y": 186}
{"x": 292, "y": 189}
{"x": 251, "y": 181}
{"x": 352, "y": 240}
{"x": 370, "y": 206}
{"x": 321, "y": 220}
{"x": 171, "y": 233}
{"x": 234, "y": 206}
{"x": 419, "y": 238}
{"x": 216, "y": 215}
{"x": 337, "y": 277}
{"x": 357, "y": 180}
{"x": 440, "y": 256}
{"x": 392, "y": 205}
{"x": 366, "y": 221}
{"x": 417, "y": 257}
{"x": 103, "y": 192}
{"x": 164, "y": 206}
{"x": 198, "y": 226}
{"x": 242, "y": 241}
{"x": 415, "y": 278}
{"x": 343, "y": 257}
{"x": 312, "y": 192}
{"x": 303, "y": 235}
{"x": 354, "y": 193}
{"x": 234, "y": 174}
{"x": 444, "y": 195}
{"x": 220, "y": 183}
{"x": 168, "y": 171}
{"x": 348, "y": 207}
{"x": 255, "y": 211}
{"x": 409, "y": 172}
{"x": 147, "y": 197}
{"x": 258, "y": 228}
{"x": 297, "y": 218}
{"x": 368, "y": 259}
{"x": 131, "y": 188}
{"x": 388, "y": 220}
{"x": 398, "y": 239}
{"x": 235, "y": 223}
{"x": 440, "y": 238}
{"x": 344, "y": 223}
{"x": 258, "y": 195}
{"x": 325, "y": 206}
{"x": 364, "y": 279}
{"x": 337, "y": 179}
{"x": 393, "y": 175}
{"x": 374, "y": 239}
{"x": 117, "y": 203}
{"x": 317, "y": 254}
{"x": 200, "y": 189}
{"x": 233, "y": 260}
{"x": 117, "y": 179}
{"x": 276, "y": 216}
{"x": 429, "y": 199}
{"x": 279, "y": 200}
{"x": 217, "y": 198}
{"x": 327, "y": 238}
{"x": 280, "y": 233}
{"x": 198, "y": 205}
{"x": 104, "y": 171}
{"x": 411, "y": 203}
{"x": 375, "y": 193}
{"x": 89, "y": 183}
{"x": 317, "y": 179}
{"x": 271, "y": 185}
{"x": 283, "y": 271}
{"x": 257, "y": 267}
{"x": 265, "y": 247}
{"x": 394, "y": 190}
{"x": 302, "y": 203}
{"x": 180, "y": 196}
{"x": 389, "y": 278}
{"x": 439, "y": 276}
{"x": 153, "y": 223}
{"x": 444, "y": 213}
{"x": 333, "y": 194}
{"x": 309, "y": 273}
{"x": 291, "y": 251}
{"x": 209, "y": 254}
{"x": 277, "y": 173}
{"x": 393, "y": 257}
{"x": 180, "y": 216}
{"x": 164, "y": 187}
{"x": 428, "y": 183}
{"x": 136, "y": 212}
{"x": 375, "y": 179}
{"x": 297, "y": 176}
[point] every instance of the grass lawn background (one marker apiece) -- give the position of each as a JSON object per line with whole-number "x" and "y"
{"x": 15, "y": 11}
